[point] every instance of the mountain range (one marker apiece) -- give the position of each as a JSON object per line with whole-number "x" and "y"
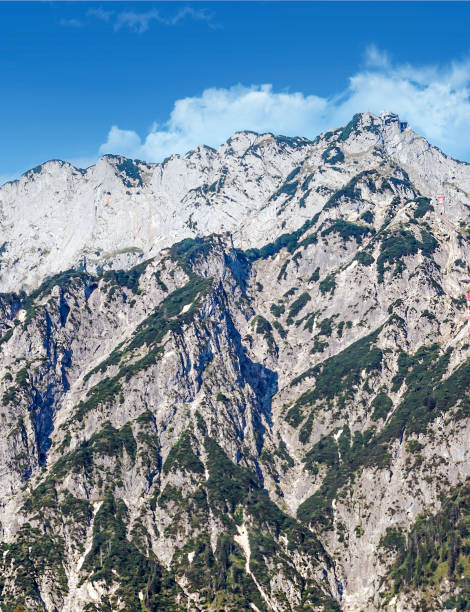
{"x": 238, "y": 379}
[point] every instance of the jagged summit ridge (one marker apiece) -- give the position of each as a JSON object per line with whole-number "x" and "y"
{"x": 121, "y": 211}
{"x": 272, "y": 414}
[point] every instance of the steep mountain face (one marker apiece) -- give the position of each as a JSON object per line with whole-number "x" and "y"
{"x": 266, "y": 407}
{"x": 256, "y": 187}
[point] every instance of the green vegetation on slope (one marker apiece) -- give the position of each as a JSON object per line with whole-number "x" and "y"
{"x": 167, "y": 317}
{"x": 182, "y": 457}
{"x": 339, "y": 374}
{"x": 128, "y": 563}
{"x": 33, "y": 555}
{"x": 189, "y": 250}
{"x": 350, "y": 191}
{"x": 297, "y": 305}
{"x": 288, "y": 241}
{"x": 401, "y": 243}
{"x": 434, "y": 549}
{"x": 127, "y": 278}
{"x": 130, "y": 169}
{"x": 108, "y": 441}
{"x": 347, "y": 230}
{"x": 263, "y": 327}
{"x": 424, "y": 205}
{"x": 427, "y": 396}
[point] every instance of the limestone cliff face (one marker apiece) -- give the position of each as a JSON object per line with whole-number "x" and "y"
{"x": 255, "y": 186}
{"x": 266, "y": 407}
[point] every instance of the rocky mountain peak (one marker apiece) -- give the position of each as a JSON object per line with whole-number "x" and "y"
{"x": 241, "y": 140}
{"x": 238, "y": 379}
{"x": 127, "y": 210}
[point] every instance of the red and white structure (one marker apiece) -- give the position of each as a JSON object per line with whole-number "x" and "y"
{"x": 440, "y": 199}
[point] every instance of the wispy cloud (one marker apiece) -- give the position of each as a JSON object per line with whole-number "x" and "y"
{"x": 100, "y": 13}
{"x": 189, "y": 12}
{"x": 140, "y": 21}
{"x": 71, "y": 23}
{"x": 435, "y": 100}
{"x": 377, "y": 58}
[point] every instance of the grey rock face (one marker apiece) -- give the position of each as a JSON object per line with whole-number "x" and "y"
{"x": 270, "y": 410}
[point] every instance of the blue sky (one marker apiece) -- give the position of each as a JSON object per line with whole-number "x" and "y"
{"x": 147, "y": 79}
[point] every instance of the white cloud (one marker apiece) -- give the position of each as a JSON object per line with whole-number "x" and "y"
{"x": 212, "y": 117}
{"x": 71, "y": 23}
{"x": 435, "y": 100}
{"x": 140, "y": 21}
{"x": 376, "y": 57}
{"x": 124, "y": 142}
{"x": 136, "y": 21}
{"x": 100, "y": 13}
{"x": 195, "y": 14}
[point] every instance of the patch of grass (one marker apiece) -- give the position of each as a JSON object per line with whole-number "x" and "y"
{"x": 298, "y": 304}
{"x": 117, "y": 558}
{"x": 350, "y": 190}
{"x": 424, "y": 206}
{"x": 364, "y": 258}
{"x": 187, "y": 252}
{"x": 287, "y": 241}
{"x": 325, "y": 327}
{"x": 127, "y": 278}
{"x": 306, "y": 430}
{"x": 131, "y": 169}
{"x": 368, "y": 217}
{"x": 282, "y": 272}
{"x": 183, "y": 457}
{"x": 289, "y": 187}
{"x": 263, "y": 326}
{"x": 342, "y": 372}
{"x": 333, "y": 155}
{"x": 318, "y": 346}
{"x": 381, "y": 405}
{"x": 348, "y": 230}
{"x": 315, "y": 275}
{"x": 353, "y": 127}
{"x": 33, "y": 555}
{"x": 108, "y": 441}
{"x": 277, "y": 309}
{"x": 427, "y": 396}
{"x": 402, "y": 243}
{"x": 294, "y": 416}
{"x": 280, "y": 330}
{"x": 328, "y": 284}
